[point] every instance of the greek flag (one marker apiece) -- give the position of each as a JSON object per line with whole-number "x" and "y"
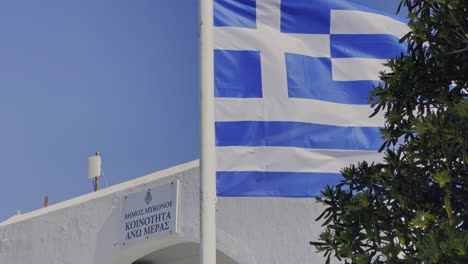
{"x": 292, "y": 78}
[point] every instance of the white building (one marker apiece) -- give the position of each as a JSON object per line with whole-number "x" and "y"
{"x": 91, "y": 228}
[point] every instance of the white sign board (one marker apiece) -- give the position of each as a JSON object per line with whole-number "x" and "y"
{"x": 149, "y": 213}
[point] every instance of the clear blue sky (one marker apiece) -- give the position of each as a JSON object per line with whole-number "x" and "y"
{"x": 115, "y": 76}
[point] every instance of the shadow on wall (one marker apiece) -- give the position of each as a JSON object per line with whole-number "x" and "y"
{"x": 184, "y": 253}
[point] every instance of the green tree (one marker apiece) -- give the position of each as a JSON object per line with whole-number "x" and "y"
{"x": 412, "y": 207}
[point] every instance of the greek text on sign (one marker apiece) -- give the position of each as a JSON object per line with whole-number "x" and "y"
{"x": 149, "y": 213}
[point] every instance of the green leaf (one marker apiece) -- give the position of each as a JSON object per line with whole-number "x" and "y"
{"x": 442, "y": 178}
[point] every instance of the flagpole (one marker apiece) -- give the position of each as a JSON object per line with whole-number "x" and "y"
{"x": 207, "y": 136}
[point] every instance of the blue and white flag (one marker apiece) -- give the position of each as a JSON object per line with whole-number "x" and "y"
{"x": 292, "y": 78}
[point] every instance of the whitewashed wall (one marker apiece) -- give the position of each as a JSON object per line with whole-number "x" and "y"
{"x": 87, "y": 229}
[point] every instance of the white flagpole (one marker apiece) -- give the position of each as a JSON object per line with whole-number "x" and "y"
{"x": 207, "y": 137}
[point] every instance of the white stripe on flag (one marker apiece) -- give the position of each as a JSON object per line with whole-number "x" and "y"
{"x": 355, "y": 69}
{"x": 360, "y": 22}
{"x": 282, "y": 159}
{"x": 295, "y": 110}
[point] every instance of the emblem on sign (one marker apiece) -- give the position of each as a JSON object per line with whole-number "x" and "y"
{"x": 148, "y": 197}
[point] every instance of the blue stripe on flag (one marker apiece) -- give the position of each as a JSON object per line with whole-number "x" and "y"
{"x": 240, "y": 75}
{"x": 296, "y": 134}
{"x": 285, "y": 184}
{"x": 299, "y": 16}
{"x": 238, "y": 13}
{"x": 313, "y": 17}
{"x": 377, "y": 46}
{"x": 311, "y": 77}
